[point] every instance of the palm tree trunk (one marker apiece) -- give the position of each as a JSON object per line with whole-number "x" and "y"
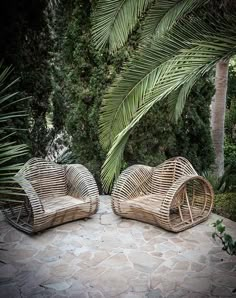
{"x": 218, "y": 115}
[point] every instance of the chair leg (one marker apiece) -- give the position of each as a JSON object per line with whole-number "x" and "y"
{"x": 193, "y": 195}
{"x": 189, "y": 207}
{"x": 181, "y": 214}
{"x": 19, "y": 214}
{"x": 205, "y": 200}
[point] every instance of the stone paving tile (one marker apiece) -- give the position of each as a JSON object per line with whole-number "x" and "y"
{"x": 106, "y": 256}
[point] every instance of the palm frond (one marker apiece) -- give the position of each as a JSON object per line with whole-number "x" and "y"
{"x": 164, "y": 14}
{"x": 113, "y": 20}
{"x": 3, "y": 90}
{"x": 127, "y": 93}
{"x": 9, "y": 151}
{"x": 53, "y": 3}
{"x": 177, "y": 99}
{"x": 154, "y": 16}
{"x": 171, "y": 75}
{"x": 7, "y": 97}
{"x": 4, "y": 74}
{"x": 12, "y": 115}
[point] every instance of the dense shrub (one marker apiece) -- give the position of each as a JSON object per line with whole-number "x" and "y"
{"x": 230, "y": 117}
{"x": 225, "y": 205}
{"x": 230, "y": 151}
{"x": 228, "y": 180}
{"x": 87, "y": 77}
{"x": 81, "y": 76}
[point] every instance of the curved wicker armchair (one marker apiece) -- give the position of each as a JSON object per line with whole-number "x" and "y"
{"x": 54, "y": 194}
{"x": 171, "y": 195}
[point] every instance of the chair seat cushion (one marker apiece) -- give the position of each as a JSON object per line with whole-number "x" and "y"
{"x": 151, "y": 202}
{"x": 57, "y": 204}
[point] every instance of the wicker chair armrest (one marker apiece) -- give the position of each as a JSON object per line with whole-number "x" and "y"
{"x": 34, "y": 199}
{"x": 132, "y": 182}
{"x": 80, "y": 183}
{"x": 181, "y": 182}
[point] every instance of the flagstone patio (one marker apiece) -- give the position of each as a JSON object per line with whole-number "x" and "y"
{"x": 107, "y": 256}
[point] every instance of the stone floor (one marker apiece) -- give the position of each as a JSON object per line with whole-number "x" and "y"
{"x": 107, "y": 256}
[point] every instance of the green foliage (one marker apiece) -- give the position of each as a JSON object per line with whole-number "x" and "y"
{"x": 230, "y": 117}
{"x": 114, "y": 20}
{"x": 9, "y": 151}
{"x": 229, "y": 151}
{"x": 230, "y": 120}
{"x": 228, "y": 180}
{"x": 67, "y": 157}
{"x": 225, "y": 205}
{"x": 225, "y": 184}
{"x": 80, "y": 77}
{"x": 213, "y": 179}
{"x": 87, "y": 76}
{"x": 58, "y": 20}
{"x": 229, "y": 245}
{"x": 231, "y": 93}
{"x": 156, "y": 138}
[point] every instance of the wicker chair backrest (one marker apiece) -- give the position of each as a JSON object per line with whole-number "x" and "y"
{"x": 47, "y": 178}
{"x": 168, "y": 172}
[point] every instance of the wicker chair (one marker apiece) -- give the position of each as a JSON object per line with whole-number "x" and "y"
{"x": 172, "y": 195}
{"x": 54, "y": 194}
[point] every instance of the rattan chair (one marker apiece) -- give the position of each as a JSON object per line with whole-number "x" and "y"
{"x": 54, "y": 194}
{"x": 172, "y": 195}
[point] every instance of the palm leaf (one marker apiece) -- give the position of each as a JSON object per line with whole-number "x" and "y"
{"x": 172, "y": 74}
{"x": 53, "y": 3}
{"x": 7, "y": 169}
{"x": 4, "y": 74}
{"x": 9, "y": 151}
{"x": 177, "y": 99}
{"x": 3, "y": 90}
{"x": 164, "y": 14}
{"x": 12, "y": 115}
{"x": 113, "y": 20}
{"x": 5, "y": 98}
{"x": 127, "y": 93}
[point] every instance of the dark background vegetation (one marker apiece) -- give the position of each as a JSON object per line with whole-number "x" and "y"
{"x": 25, "y": 45}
